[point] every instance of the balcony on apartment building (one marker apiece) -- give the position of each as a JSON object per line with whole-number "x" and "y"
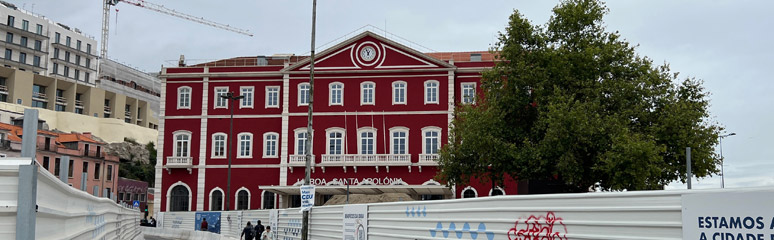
{"x": 72, "y": 49}
{"x": 3, "y": 88}
{"x": 23, "y": 32}
{"x": 428, "y": 159}
{"x": 39, "y": 96}
{"x": 92, "y": 154}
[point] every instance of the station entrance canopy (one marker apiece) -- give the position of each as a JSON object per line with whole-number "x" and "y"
{"x": 364, "y": 189}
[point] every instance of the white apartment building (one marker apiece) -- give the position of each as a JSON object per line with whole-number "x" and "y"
{"x": 34, "y": 43}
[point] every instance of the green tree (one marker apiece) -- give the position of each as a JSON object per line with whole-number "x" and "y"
{"x": 571, "y": 102}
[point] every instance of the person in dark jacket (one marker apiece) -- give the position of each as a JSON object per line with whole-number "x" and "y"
{"x": 247, "y": 232}
{"x": 258, "y": 229}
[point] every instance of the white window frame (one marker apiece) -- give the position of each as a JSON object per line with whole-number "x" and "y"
{"x": 360, "y": 140}
{"x": 405, "y": 92}
{"x": 363, "y": 93}
{"x": 330, "y": 94}
{"x": 225, "y": 145}
{"x": 475, "y": 192}
{"x": 263, "y": 193}
{"x": 236, "y": 197}
{"x": 295, "y": 138}
{"x": 462, "y": 92}
{"x": 243, "y": 103}
{"x": 437, "y": 91}
{"x": 498, "y": 188}
{"x": 218, "y": 99}
{"x": 328, "y": 140}
{"x": 301, "y": 92}
{"x": 188, "y": 97}
{"x": 392, "y": 139}
{"x": 266, "y": 144}
{"x": 424, "y": 141}
{"x": 188, "y": 144}
{"x": 270, "y": 89}
{"x": 239, "y": 145}
{"x": 169, "y": 194}
{"x": 222, "y": 201}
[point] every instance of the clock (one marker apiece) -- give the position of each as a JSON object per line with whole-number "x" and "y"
{"x": 367, "y": 53}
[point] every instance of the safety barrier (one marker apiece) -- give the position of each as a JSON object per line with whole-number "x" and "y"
{"x": 63, "y": 212}
{"x": 637, "y": 215}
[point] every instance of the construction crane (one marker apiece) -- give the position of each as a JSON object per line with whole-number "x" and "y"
{"x": 157, "y": 8}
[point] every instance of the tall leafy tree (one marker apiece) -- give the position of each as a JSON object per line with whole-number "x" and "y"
{"x": 569, "y": 101}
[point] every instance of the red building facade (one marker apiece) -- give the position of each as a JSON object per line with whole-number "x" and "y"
{"x": 381, "y": 112}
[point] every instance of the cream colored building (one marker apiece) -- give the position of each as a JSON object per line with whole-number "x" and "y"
{"x": 70, "y": 106}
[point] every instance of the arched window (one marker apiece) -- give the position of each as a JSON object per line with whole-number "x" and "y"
{"x": 399, "y": 140}
{"x": 399, "y": 92}
{"x": 184, "y": 97}
{"x": 335, "y": 141}
{"x": 243, "y": 199}
{"x": 245, "y": 145}
{"x": 179, "y": 198}
{"x": 497, "y": 191}
{"x": 268, "y": 200}
{"x": 303, "y": 94}
{"x": 182, "y": 147}
{"x": 216, "y": 199}
{"x": 431, "y": 92}
{"x": 336, "y": 93}
{"x": 367, "y": 139}
{"x": 431, "y": 140}
{"x": 469, "y": 192}
{"x": 219, "y": 141}
{"x": 367, "y": 90}
{"x": 270, "y": 144}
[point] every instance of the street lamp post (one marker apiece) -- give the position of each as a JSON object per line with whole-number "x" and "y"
{"x": 722, "y": 174}
{"x": 230, "y": 96}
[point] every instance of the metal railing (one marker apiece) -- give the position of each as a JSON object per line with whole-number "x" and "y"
{"x": 3, "y": 88}
{"x": 299, "y": 160}
{"x": 78, "y": 104}
{"x": 107, "y": 109}
{"x": 61, "y": 100}
{"x": 366, "y": 159}
{"x": 428, "y": 159}
{"x": 39, "y": 95}
{"x": 182, "y": 162}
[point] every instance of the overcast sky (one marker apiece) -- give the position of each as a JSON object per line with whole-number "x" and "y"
{"x": 728, "y": 44}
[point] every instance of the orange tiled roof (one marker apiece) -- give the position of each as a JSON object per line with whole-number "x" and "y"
{"x": 76, "y": 137}
{"x": 462, "y": 56}
{"x": 16, "y": 131}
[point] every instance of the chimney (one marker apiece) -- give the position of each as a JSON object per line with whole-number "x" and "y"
{"x": 87, "y": 134}
{"x": 181, "y": 62}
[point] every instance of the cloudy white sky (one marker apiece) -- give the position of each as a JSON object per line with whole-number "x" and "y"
{"x": 727, "y": 43}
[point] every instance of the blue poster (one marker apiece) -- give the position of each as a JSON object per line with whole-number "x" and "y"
{"x": 213, "y": 221}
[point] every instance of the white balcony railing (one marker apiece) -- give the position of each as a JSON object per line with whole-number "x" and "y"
{"x": 179, "y": 162}
{"x": 61, "y": 100}
{"x": 107, "y": 109}
{"x": 299, "y": 160}
{"x": 366, "y": 160}
{"x": 78, "y": 104}
{"x": 428, "y": 159}
{"x": 3, "y": 88}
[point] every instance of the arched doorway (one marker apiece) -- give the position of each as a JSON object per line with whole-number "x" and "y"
{"x": 179, "y": 199}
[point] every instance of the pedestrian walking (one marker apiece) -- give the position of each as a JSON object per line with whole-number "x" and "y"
{"x": 259, "y": 229}
{"x": 266, "y": 234}
{"x": 247, "y": 233}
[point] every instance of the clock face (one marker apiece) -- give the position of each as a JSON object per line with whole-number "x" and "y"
{"x": 368, "y": 53}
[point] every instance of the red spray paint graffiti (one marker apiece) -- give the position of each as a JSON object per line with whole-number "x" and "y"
{"x": 539, "y": 228}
